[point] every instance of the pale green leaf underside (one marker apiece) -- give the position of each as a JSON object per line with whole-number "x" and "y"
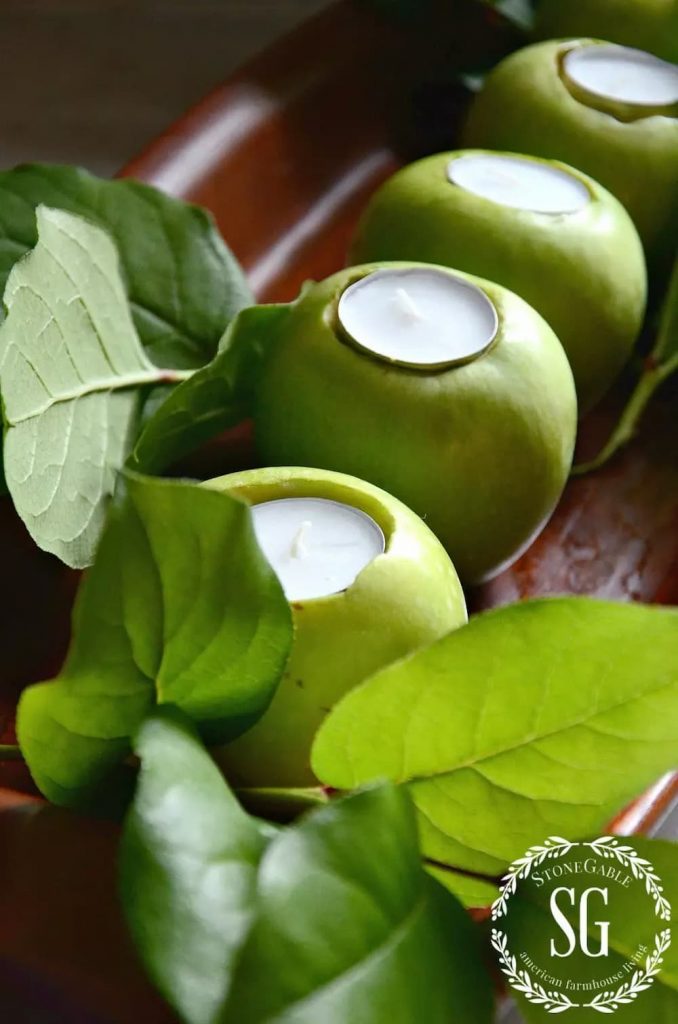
{"x": 538, "y": 719}
{"x": 184, "y": 284}
{"x": 70, "y": 364}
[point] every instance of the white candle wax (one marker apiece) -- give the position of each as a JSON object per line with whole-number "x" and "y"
{"x": 518, "y": 182}
{"x": 316, "y": 547}
{"x": 622, "y": 74}
{"x": 419, "y": 317}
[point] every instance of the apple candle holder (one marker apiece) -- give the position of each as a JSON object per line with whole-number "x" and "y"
{"x": 649, "y": 24}
{"x": 417, "y": 317}
{"x": 629, "y": 84}
{"x": 450, "y": 393}
{"x": 368, "y": 583}
{"x": 594, "y": 107}
{"x": 546, "y": 231}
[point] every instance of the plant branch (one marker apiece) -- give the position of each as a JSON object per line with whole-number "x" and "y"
{"x": 660, "y": 365}
{"x": 464, "y": 872}
{"x": 652, "y": 377}
{"x": 282, "y": 804}
{"x": 10, "y": 752}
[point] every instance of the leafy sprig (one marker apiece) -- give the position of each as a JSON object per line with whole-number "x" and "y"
{"x": 180, "y": 608}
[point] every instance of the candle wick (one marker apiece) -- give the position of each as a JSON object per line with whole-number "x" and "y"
{"x": 299, "y": 547}
{"x": 407, "y": 305}
{"x": 504, "y": 178}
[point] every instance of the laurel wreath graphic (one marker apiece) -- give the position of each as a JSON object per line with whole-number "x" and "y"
{"x": 608, "y": 848}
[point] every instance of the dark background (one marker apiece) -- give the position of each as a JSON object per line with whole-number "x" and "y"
{"x": 91, "y": 81}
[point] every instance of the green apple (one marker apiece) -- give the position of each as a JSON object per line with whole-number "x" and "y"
{"x": 480, "y": 451}
{"x": 403, "y": 599}
{"x": 529, "y": 104}
{"x": 583, "y": 270}
{"x": 651, "y": 25}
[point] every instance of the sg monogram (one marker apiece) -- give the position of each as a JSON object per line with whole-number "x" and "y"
{"x": 573, "y": 961}
{"x": 564, "y": 924}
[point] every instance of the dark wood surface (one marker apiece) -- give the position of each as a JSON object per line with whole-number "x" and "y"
{"x": 285, "y": 155}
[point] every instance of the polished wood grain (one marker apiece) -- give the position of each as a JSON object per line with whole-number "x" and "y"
{"x": 285, "y": 155}
{"x": 65, "y": 954}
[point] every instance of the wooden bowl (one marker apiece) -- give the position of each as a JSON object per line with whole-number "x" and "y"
{"x": 285, "y": 154}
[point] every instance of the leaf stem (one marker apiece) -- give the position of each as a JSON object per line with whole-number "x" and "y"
{"x": 464, "y": 872}
{"x": 282, "y": 804}
{"x": 659, "y": 366}
{"x": 10, "y": 752}
{"x": 667, "y": 338}
{"x": 652, "y": 377}
{"x": 123, "y": 383}
{"x": 174, "y": 376}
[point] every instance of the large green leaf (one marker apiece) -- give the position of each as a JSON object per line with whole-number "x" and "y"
{"x": 180, "y": 608}
{"x": 473, "y": 891}
{"x": 532, "y": 924}
{"x": 519, "y": 12}
{"x": 538, "y": 719}
{"x": 215, "y": 398}
{"x": 71, "y": 368}
{"x": 184, "y": 284}
{"x": 334, "y": 921}
{"x": 348, "y": 927}
{"x": 189, "y": 863}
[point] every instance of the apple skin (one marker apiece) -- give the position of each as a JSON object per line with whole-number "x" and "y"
{"x": 481, "y": 451}
{"x": 583, "y": 271}
{"x": 406, "y": 598}
{"x": 650, "y": 25}
{"x": 526, "y": 107}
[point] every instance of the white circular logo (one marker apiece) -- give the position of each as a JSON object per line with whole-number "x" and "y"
{"x": 588, "y": 928}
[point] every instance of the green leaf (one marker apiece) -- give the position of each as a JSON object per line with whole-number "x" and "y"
{"x": 518, "y": 12}
{"x": 532, "y": 922}
{"x": 348, "y": 927}
{"x": 333, "y": 921}
{"x": 180, "y": 608}
{"x": 184, "y": 284}
{"x": 215, "y": 398}
{"x": 538, "y": 719}
{"x": 71, "y": 367}
{"x": 472, "y": 891}
{"x": 189, "y": 861}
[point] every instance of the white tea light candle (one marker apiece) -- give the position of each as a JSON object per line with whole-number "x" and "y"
{"x": 480, "y": 451}
{"x": 311, "y": 523}
{"x": 608, "y": 111}
{"x": 538, "y": 227}
{"x": 622, "y": 74}
{"x": 421, "y": 317}
{"x": 520, "y": 183}
{"x": 317, "y": 547}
